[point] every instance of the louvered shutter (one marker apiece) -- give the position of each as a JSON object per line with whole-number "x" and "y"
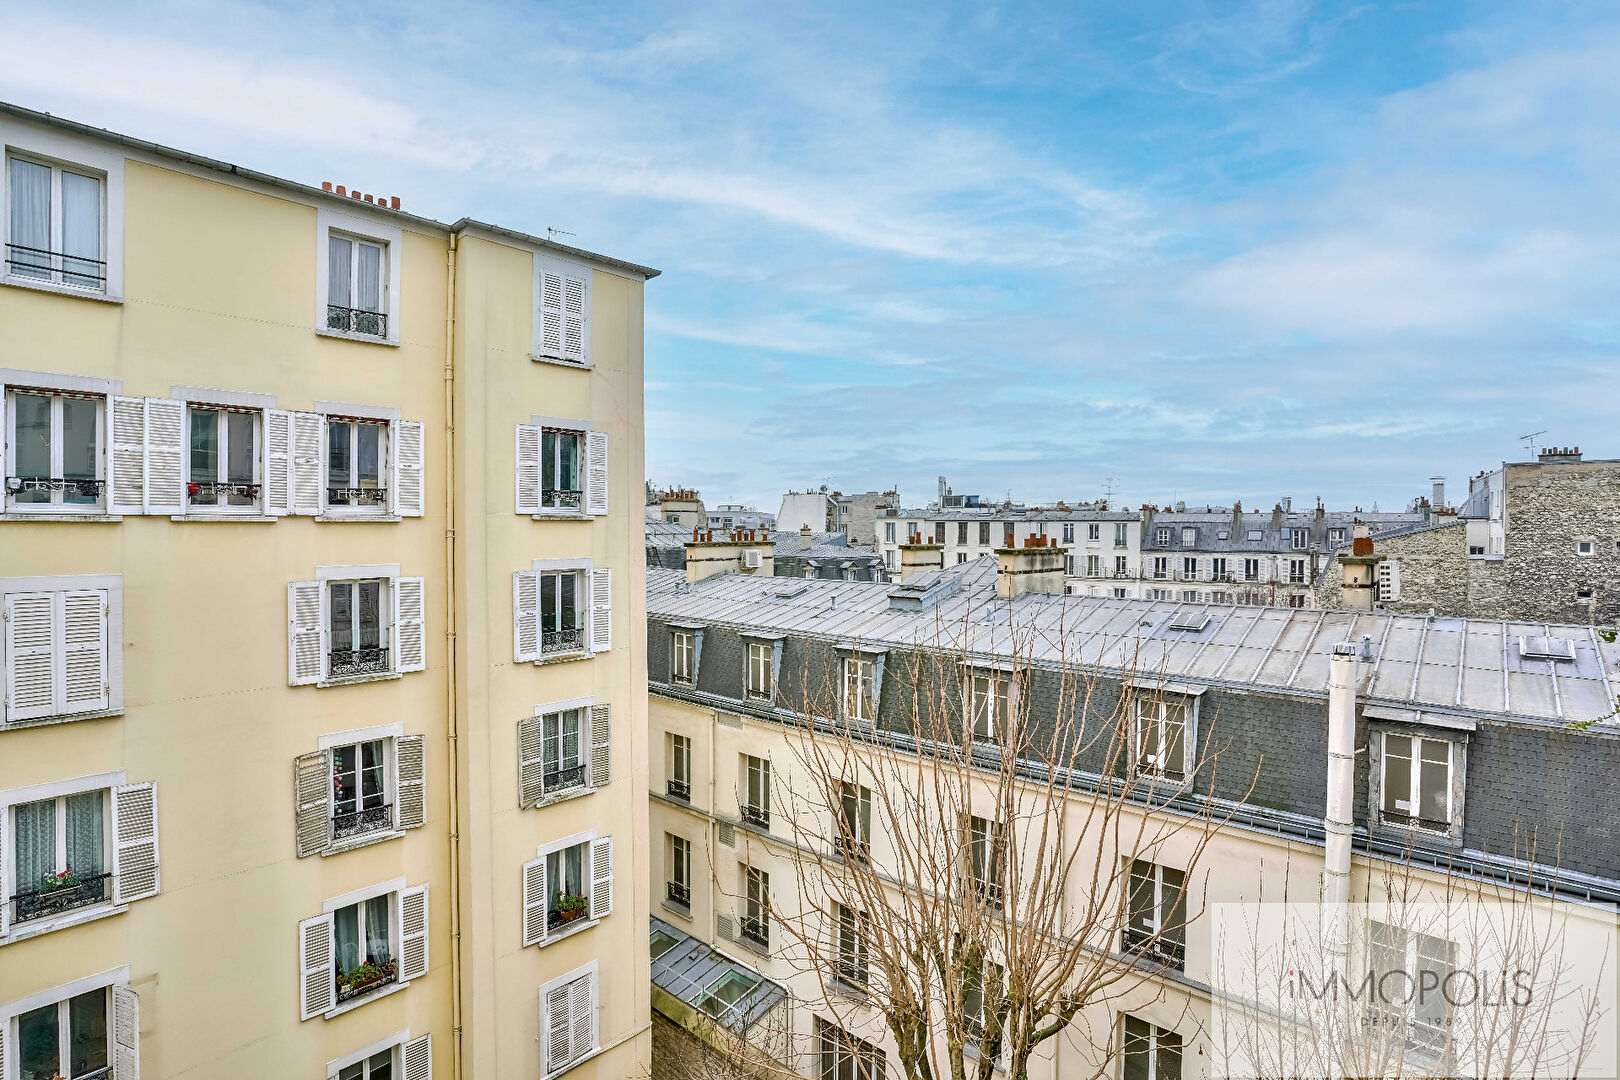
{"x": 528, "y": 469}
{"x": 550, "y": 315}
{"x": 126, "y": 1034}
{"x": 135, "y": 843}
{"x": 409, "y": 494}
{"x": 278, "y": 480}
{"x": 312, "y": 803}
{"x": 582, "y": 1014}
{"x": 576, "y": 299}
{"x": 531, "y": 760}
{"x": 3, "y": 475}
{"x": 84, "y": 651}
{"x": 5, "y": 916}
{"x": 601, "y": 877}
{"x": 410, "y": 757}
{"x": 317, "y": 975}
{"x": 304, "y": 632}
{"x": 410, "y": 644}
{"x": 601, "y": 610}
{"x": 596, "y": 472}
{"x": 534, "y": 901}
{"x": 30, "y": 655}
{"x": 165, "y": 456}
{"x": 307, "y": 466}
{"x": 417, "y": 1056}
{"x": 525, "y": 615}
{"x": 601, "y": 746}
{"x": 4, "y": 1070}
{"x": 128, "y": 458}
{"x": 413, "y": 933}
{"x": 555, "y": 1030}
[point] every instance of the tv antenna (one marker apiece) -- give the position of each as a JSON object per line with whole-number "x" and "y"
{"x": 1110, "y": 485}
{"x": 552, "y": 232}
{"x": 1529, "y": 440}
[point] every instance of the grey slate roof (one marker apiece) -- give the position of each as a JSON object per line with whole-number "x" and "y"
{"x": 1464, "y": 667}
{"x": 1274, "y": 532}
{"x": 666, "y": 546}
{"x": 690, "y": 968}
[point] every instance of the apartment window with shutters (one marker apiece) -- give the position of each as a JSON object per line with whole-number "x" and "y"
{"x": 86, "y": 1034}
{"x": 406, "y": 1059}
{"x": 58, "y": 858}
{"x": 360, "y": 782}
{"x": 1148, "y": 1052}
{"x": 562, "y": 623}
{"x": 1296, "y": 571}
{"x": 860, "y": 704}
{"x": 852, "y": 969}
{"x": 756, "y": 912}
{"x": 1155, "y": 913}
{"x": 1415, "y": 781}
{"x": 562, "y": 468}
{"x": 357, "y": 286}
{"x": 1162, "y": 735}
{"x": 360, "y": 787}
{"x": 357, "y": 465}
{"x": 55, "y": 454}
{"x": 222, "y": 458}
{"x": 986, "y": 849}
{"x": 761, "y": 669}
{"x": 562, "y": 609}
{"x": 56, "y": 224}
{"x": 678, "y": 856}
{"x": 755, "y": 805}
{"x": 62, "y": 647}
{"x": 562, "y": 324}
{"x": 1217, "y": 569}
{"x": 357, "y": 630}
{"x": 567, "y": 887}
{"x": 564, "y": 749}
{"x": 569, "y": 1028}
{"x": 679, "y": 780}
{"x": 362, "y": 947}
{"x": 563, "y": 738}
{"x": 989, "y": 704}
{"x": 353, "y": 624}
{"x": 1189, "y": 569}
{"x": 682, "y": 652}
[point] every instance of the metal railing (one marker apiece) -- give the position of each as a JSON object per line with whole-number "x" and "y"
{"x": 76, "y": 893}
{"x": 1147, "y": 943}
{"x": 70, "y": 484}
{"x": 366, "y": 978}
{"x": 851, "y": 848}
{"x": 344, "y": 663}
{"x": 562, "y": 779}
{"x": 356, "y": 496}
{"x": 755, "y": 816}
{"x": 852, "y": 973}
{"x": 33, "y": 262}
{"x": 356, "y": 321}
{"x": 678, "y": 789}
{"x": 755, "y": 928}
{"x": 678, "y": 893}
{"x": 561, "y": 498}
{"x": 359, "y": 822}
{"x": 558, "y": 917}
{"x": 988, "y": 892}
{"x": 560, "y": 641}
{"x": 211, "y": 491}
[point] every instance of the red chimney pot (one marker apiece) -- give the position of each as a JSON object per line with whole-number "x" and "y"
{"x": 326, "y": 185}
{"x": 342, "y": 189}
{"x": 393, "y": 202}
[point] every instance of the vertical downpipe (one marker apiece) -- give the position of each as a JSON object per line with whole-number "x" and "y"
{"x": 453, "y": 727}
{"x": 1341, "y": 787}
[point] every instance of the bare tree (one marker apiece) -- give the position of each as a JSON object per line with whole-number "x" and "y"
{"x": 973, "y": 872}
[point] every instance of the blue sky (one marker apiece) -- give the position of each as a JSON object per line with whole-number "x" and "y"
{"x": 1208, "y": 250}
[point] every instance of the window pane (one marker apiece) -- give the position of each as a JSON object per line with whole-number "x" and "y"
{"x": 1397, "y": 774}
{"x": 548, "y": 602}
{"x": 370, "y": 614}
{"x": 337, "y": 454}
{"x": 30, "y": 234}
{"x": 35, "y": 843}
{"x": 204, "y": 449}
{"x": 372, "y": 774}
{"x": 345, "y": 782}
{"x": 369, "y": 284}
{"x": 570, "y": 613}
{"x": 240, "y": 440}
{"x": 342, "y": 617}
{"x": 548, "y": 459}
{"x": 1435, "y": 780}
{"x": 568, "y": 463}
{"x": 357, "y": 1071}
{"x": 78, "y": 446}
{"x": 33, "y": 443}
{"x": 381, "y": 1065}
{"x": 337, "y": 285}
{"x": 379, "y": 947}
{"x": 39, "y": 1044}
{"x": 87, "y": 1032}
{"x": 368, "y": 455}
{"x": 346, "y": 933}
{"x": 81, "y": 230}
{"x": 86, "y": 846}
{"x": 1137, "y": 1047}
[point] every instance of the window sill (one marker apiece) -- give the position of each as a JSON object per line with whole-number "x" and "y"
{"x": 568, "y": 931}
{"x": 59, "y": 290}
{"x": 329, "y": 516}
{"x": 365, "y": 999}
{"x": 576, "y": 1063}
{"x": 363, "y": 339}
{"x": 562, "y": 658}
{"x": 24, "y": 515}
{"x": 563, "y": 515}
{"x": 260, "y": 518}
{"x": 354, "y": 842}
{"x": 557, "y": 361}
{"x": 561, "y": 796}
{"x": 754, "y": 947}
{"x": 46, "y": 926}
{"x": 387, "y": 676}
{"x": 683, "y": 911}
{"x": 46, "y": 721}
{"x": 850, "y": 991}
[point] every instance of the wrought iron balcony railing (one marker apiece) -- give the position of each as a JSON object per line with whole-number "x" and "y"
{"x": 678, "y": 789}
{"x": 360, "y": 822}
{"x": 344, "y": 663}
{"x": 74, "y": 893}
{"x": 558, "y": 917}
{"x": 988, "y": 892}
{"x": 678, "y": 893}
{"x": 209, "y": 492}
{"x": 563, "y": 779}
{"x": 561, "y": 499}
{"x": 1161, "y": 949}
{"x": 71, "y": 485}
{"x": 851, "y": 848}
{"x": 365, "y": 978}
{"x": 851, "y": 972}
{"x": 356, "y": 496}
{"x": 756, "y": 928}
{"x": 356, "y": 321}
{"x": 33, "y": 262}
{"x": 756, "y": 816}
{"x": 562, "y": 641}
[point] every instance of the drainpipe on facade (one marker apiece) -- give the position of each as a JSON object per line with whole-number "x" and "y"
{"x": 1339, "y": 817}
{"x": 451, "y": 715}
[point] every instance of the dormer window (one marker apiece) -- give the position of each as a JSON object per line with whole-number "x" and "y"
{"x": 1189, "y": 537}
{"x": 1415, "y": 782}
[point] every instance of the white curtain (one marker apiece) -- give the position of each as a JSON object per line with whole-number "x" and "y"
{"x": 86, "y": 847}
{"x": 81, "y": 230}
{"x": 369, "y": 286}
{"x": 337, "y": 282}
{"x": 36, "y": 843}
{"x": 378, "y": 950}
{"x": 30, "y": 186}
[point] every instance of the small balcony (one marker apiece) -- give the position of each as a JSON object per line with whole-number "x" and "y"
{"x": 364, "y": 979}
{"x": 369, "y": 498}
{"x": 84, "y": 488}
{"x": 562, "y": 779}
{"x": 556, "y": 642}
{"x": 987, "y": 892}
{"x": 31, "y": 262}
{"x": 60, "y": 893}
{"x": 361, "y": 822}
{"x": 349, "y": 663}
{"x": 852, "y": 973}
{"x": 756, "y": 816}
{"x": 561, "y": 499}
{"x": 756, "y": 928}
{"x": 221, "y": 493}
{"x": 678, "y": 893}
{"x": 678, "y": 789}
{"x": 356, "y": 321}
{"x": 1160, "y": 949}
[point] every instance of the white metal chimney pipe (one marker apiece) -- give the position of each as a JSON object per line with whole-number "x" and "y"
{"x": 1341, "y": 775}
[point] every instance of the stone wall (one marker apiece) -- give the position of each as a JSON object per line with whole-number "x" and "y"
{"x": 1549, "y": 507}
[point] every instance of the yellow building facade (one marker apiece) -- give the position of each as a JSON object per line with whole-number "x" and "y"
{"x": 324, "y": 708}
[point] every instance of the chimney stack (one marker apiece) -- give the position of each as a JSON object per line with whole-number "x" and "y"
{"x": 917, "y": 556}
{"x": 1560, "y": 455}
{"x": 1437, "y": 492}
{"x": 1037, "y": 567}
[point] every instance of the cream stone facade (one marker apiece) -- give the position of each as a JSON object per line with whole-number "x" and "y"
{"x": 290, "y": 478}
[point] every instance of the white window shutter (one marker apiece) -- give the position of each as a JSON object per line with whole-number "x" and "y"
{"x": 84, "y": 651}
{"x": 601, "y": 877}
{"x": 308, "y": 466}
{"x": 312, "y": 803}
{"x": 531, "y": 761}
{"x": 556, "y": 1033}
{"x": 165, "y": 456}
{"x": 410, "y": 756}
{"x": 4, "y": 1069}
{"x": 278, "y": 479}
{"x": 304, "y": 632}
{"x": 582, "y": 1013}
{"x": 550, "y": 315}
{"x": 601, "y": 610}
{"x": 601, "y": 746}
{"x": 528, "y": 469}
{"x": 126, "y": 1034}
{"x": 3, "y": 474}
{"x": 30, "y": 655}
{"x": 135, "y": 843}
{"x": 417, "y": 1056}
{"x": 127, "y": 471}
{"x": 535, "y": 901}
{"x": 525, "y": 615}
{"x": 576, "y": 313}
{"x": 413, "y": 933}
{"x": 410, "y": 636}
{"x": 409, "y": 493}
{"x": 5, "y": 916}
{"x": 596, "y": 472}
{"x": 317, "y": 974}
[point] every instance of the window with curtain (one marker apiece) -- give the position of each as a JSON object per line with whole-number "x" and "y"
{"x": 55, "y": 225}
{"x": 360, "y": 789}
{"x": 357, "y": 629}
{"x": 560, "y": 745}
{"x": 568, "y": 895}
{"x": 59, "y": 851}
{"x": 561, "y": 626}
{"x": 364, "y": 946}
{"x": 356, "y": 464}
{"x": 560, "y": 455}
{"x": 356, "y": 286}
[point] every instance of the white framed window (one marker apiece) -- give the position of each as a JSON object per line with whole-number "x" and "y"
{"x": 1300, "y": 539}
{"x": 1585, "y": 546}
{"x": 570, "y": 1030}
{"x": 562, "y": 608}
{"x": 1163, "y": 735}
{"x": 854, "y": 836}
{"x": 755, "y": 924}
{"x": 1068, "y": 532}
{"x": 679, "y": 777}
{"x": 860, "y": 674}
{"x": 1094, "y": 531}
{"x": 567, "y": 887}
{"x": 1119, "y": 593}
{"x": 1220, "y": 596}
{"x": 853, "y": 969}
{"x": 357, "y": 634}
{"x": 1296, "y": 571}
{"x": 1148, "y": 1052}
{"x": 562, "y": 303}
{"x": 888, "y": 531}
{"x": 1189, "y": 568}
{"x": 1254, "y": 536}
{"x": 761, "y": 669}
{"x": 1068, "y": 565}
{"x": 1189, "y": 537}
{"x": 1121, "y": 566}
{"x": 566, "y": 746}
{"x": 1158, "y": 594}
{"x": 1423, "y": 963}
{"x": 1161, "y": 566}
{"x": 755, "y": 805}
{"x": 989, "y": 704}
{"x": 399, "y": 1057}
{"x": 355, "y": 623}
{"x": 359, "y": 787}
{"x": 358, "y": 466}
{"x": 1217, "y": 568}
{"x": 1335, "y": 536}
{"x": 841, "y": 1055}
{"x": 81, "y": 1031}
{"x": 1120, "y": 535}
{"x": 678, "y": 858}
{"x": 987, "y": 848}
{"x": 362, "y": 946}
{"x": 62, "y": 646}
{"x": 357, "y": 277}
{"x": 682, "y": 653}
{"x": 1251, "y": 569}
{"x": 222, "y": 458}
{"x": 1415, "y": 782}
{"x": 1161, "y": 536}
{"x": 1156, "y": 913}
{"x": 562, "y": 468}
{"x": 55, "y": 451}
{"x": 56, "y": 218}
{"x": 981, "y": 985}
{"x": 1093, "y": 566}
